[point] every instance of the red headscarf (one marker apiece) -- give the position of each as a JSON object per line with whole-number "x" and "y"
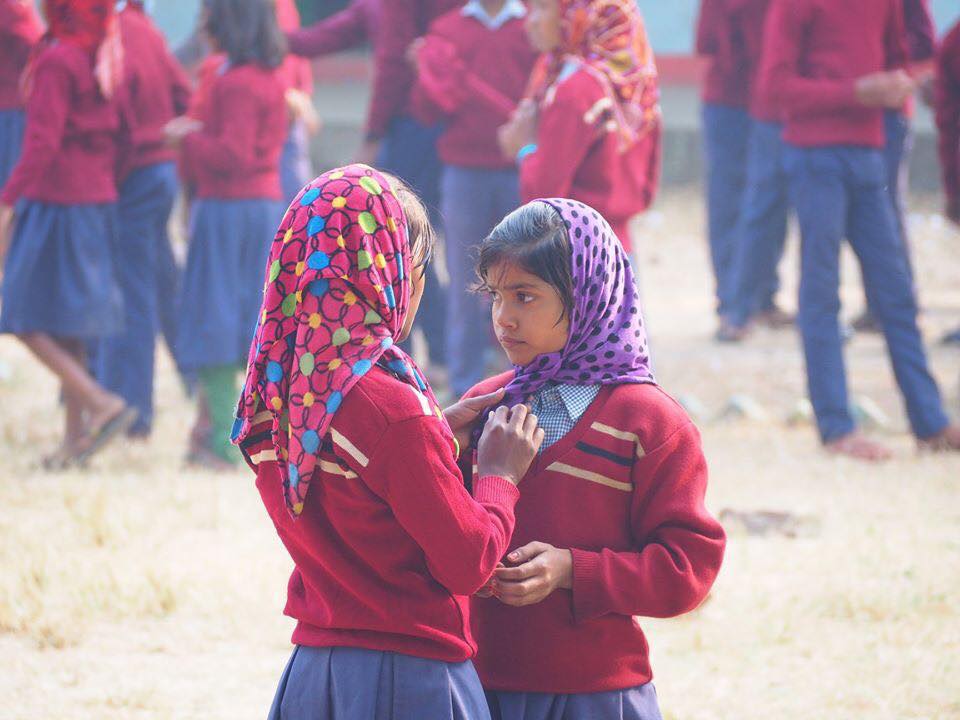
{"x": 90, "y": 25}
{"x": 336, "y": 296}
{"x": 609, "y": 38}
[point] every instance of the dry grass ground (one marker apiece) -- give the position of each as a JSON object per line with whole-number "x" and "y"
{"x": 138, "y": 589}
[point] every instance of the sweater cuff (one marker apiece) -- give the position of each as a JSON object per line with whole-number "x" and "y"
{"x": 495, "y": 490}
{"x": 586, "y": 585}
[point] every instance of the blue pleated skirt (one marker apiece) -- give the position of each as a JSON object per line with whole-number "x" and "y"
{"x": 12, "y": 123}
{"x": 636, "y": 703}
{"x": 223, "y": 280}
{"x": 59, "y": 276}
{"x": 344, "y": 683}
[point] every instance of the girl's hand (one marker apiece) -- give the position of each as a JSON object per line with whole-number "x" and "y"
{"x": 463, "y": 415}
{"x": 412, "y": 54}
{"x": 509, "y": 443}
{"x": 301, "y": 108}
{"x": 539, "y": 569}
{"x": 520, "y": 131}
{"x": 177, "y": 129}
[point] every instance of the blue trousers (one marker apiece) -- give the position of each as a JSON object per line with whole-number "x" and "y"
{"x": 473, "y": 201}
{"x": 839, "y": 192}
{"x": 125, "y": 361}
{"x": 409, "y": 150}
{"x": 763, "y": 225}
{"x": 726, "y": 131}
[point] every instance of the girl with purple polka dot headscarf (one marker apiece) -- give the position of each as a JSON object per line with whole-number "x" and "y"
{"x": 606, "y": 342}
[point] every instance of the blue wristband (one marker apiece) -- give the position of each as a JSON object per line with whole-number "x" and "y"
{"x": 528, "y": 149}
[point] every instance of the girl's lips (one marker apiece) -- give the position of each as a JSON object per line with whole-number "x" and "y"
{"x": 509, "y": 342}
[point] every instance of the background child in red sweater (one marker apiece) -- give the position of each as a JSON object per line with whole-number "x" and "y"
{"x": 60, "y": 291}
{"x": 590, "y": 128}
{"x": 356, "y": 463}
{"x": 478, "y": 186}
{"x": 231, "y": 155}
{"x": 612, "y": 523}
{"x": 158, "y": 90}
{"x": 834, "y": 68}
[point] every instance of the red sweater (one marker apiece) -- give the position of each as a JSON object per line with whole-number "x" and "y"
{"x": 20, "y": 28}
{"x": 295, "y": 71}
{"x": 401, "y": 22}
{"x": 577, "y": 160}
{"x": 390, "y": 544}
{"x": 158, "y": 87}
{"x": 70, "y": 147}
{"x": 624, "y": 491}
{"x": 355, "y": 24}
{"x": 237, "y": 154}
{"x": 503, "y": 59}
{"x": 948, "y": 112}
{"x": 727, "y": 80}
{"x": 815, "y": 50}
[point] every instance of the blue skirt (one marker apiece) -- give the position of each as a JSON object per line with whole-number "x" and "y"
{"x": 636, "y": 703}
{"x": 59, "y": 275}
{"x": 344, "y": 683}
{"x": 223, "y": 280}
{"x": 12, "y": 123}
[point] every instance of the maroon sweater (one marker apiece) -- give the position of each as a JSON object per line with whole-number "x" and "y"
{"x": 948, "y": 112}
{"x": 814, "y": 52}
{"x": 401, "y": 22}
{"x": 390, "y": 544}
{"x": 158, "y": 88}
{"x": 20, "y": 28}
{"x": 237, "y": 154}
{"x": 73, "y": 135}
{"x": 575, "y": 159}
{"x": 727, "y": 79}
{"x": 503, "y": 58}
{"x": 624, "y": 491}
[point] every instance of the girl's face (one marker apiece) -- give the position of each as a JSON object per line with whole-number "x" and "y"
{"x": 528, "y": 314}
{"x": 543, "y": 25}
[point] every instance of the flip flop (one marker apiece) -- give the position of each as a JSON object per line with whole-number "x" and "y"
{"x": 117, "y": 425}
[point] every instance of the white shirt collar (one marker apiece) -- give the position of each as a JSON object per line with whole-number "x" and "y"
{"x": 511, "y": 9}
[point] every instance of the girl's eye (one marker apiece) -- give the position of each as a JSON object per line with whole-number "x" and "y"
{"x": 524, "y": 297}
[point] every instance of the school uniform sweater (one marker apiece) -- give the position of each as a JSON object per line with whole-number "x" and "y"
{"x": 295, "y": 72}
{"x": 503, "y": 58}
{"x": 401, "y": 22}
{"x": 390, "y": 545}
{"x": 355, "y": 24}
{"x": 815, "y": 52}
{"x": 624, "y": 491}
{"x": 20, "y": 28}
{"x": 750, "y": 21}
{"x": 948, "y": 111}
{"x": 578, "y": 158}
{"x": 727, "y": 78}
{"x": 237, "y": 154}
{"x": 921, "y": 34}
{"x": 158, "y": 88}
{"x": 70, "y": 147}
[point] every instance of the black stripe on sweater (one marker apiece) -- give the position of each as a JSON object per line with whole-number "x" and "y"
{"x": 605, "y": 454}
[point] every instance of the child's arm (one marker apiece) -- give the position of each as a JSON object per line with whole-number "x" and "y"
{"x": 709, "y": 40}
{"x": 344, "y": 30}
{"x": 46, "y": 111}
{"x": 462, "y": 537}
{"x": 680, "y": 545}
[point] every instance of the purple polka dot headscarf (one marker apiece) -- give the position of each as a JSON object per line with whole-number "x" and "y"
{"x": 607, "y": 344}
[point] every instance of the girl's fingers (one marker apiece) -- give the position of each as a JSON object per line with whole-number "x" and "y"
{"x": 476, "y": 404}
{"x": 518, "y": 414}
{"x": 518, "y": 573}
{"x": 530, "y": 424}
{"x": 527, "y": 552}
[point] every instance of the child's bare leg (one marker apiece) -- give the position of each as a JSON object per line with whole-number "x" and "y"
{"x": 64, "y": 358}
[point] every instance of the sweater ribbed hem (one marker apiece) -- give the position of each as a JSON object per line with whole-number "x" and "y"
{"x": 586, "y": 584}
{"x": 495, "y": 489}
